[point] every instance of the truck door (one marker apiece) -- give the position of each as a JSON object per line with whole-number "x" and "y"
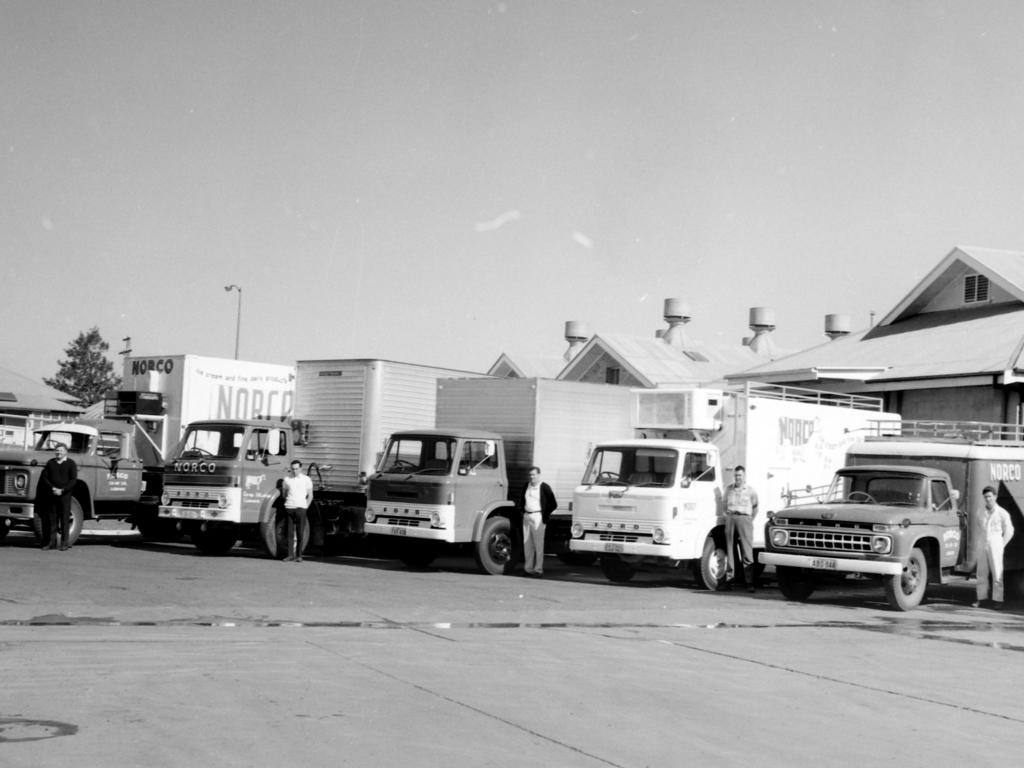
{"x": 119, "y": 474}
{"x": 263, "y": 468}
{"x": 480, "y": 481}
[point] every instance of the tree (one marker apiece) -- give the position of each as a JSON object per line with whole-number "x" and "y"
{"x": 86, "y": 374}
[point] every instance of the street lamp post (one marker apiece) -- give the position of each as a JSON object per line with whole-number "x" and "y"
{"x": 238, "y": 319}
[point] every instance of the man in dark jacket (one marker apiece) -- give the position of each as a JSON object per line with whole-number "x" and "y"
{"x": 538, "y": 502}
{"x": 55, "y": 486}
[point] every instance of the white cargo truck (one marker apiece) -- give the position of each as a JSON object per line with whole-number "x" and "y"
{"x": 658, "y": 500}
{"x": 221, "y": 482}
{"x": 196, "y": 387}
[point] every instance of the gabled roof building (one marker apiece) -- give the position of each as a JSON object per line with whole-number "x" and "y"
{"x": 952, "y": 348}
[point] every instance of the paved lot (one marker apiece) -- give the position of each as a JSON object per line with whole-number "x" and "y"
{"x": 122, "y": 654}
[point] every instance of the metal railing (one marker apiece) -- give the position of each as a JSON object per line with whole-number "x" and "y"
{"x": 951, "y": 431}
{"x": 815, "y": 396}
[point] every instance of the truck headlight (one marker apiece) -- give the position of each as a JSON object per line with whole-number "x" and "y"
{"x": 222, "y": 500}
{"x": 369, "y": 515}
{"x": 780, "y": 537}
{"x": 881, "y": 545}
{"x": 435, "y": 519}
{"x": 576, "y": 531}
{"x": 165, "y": 498}
{"x": 20, "y": 482}
{"x": 659, "y": 536}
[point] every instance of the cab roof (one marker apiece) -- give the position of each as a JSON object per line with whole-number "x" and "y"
{"x": 896, "y": 469}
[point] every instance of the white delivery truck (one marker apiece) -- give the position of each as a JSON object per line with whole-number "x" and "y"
{"x": 657, "y": 500}
{"x": 196, "y": 387}
{"x": 221, "y": 482}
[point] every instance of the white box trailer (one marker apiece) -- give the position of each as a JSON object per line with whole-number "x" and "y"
{"x": 195, "y": 388}
{"x": 543, "y": 422}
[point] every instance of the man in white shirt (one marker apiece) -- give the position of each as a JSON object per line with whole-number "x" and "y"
{"x": 298, "y": 495}
{"x": 993, "y": 532}
{"x": 538, "y": 502}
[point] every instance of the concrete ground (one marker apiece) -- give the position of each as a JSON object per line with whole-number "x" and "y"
{"x": 122, "y": 654}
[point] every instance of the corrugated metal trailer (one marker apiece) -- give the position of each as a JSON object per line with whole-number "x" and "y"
{"x": 345, "y": 411}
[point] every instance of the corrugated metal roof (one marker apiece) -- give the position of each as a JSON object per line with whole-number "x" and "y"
{"x": 932, "y": 345}
{"x": 30, "y": 395}
{"x": 657, "y": 363}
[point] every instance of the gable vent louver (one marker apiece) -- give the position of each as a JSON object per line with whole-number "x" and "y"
{"x": 975, "y": 289}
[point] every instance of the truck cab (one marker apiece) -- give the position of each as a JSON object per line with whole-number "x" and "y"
{"x": 112, "y": 481}
{"x": 434, "y": 488}
{"x": 221, "y": 483}
{"x": 649, "y": 502}
{"x": 900, "y": 523}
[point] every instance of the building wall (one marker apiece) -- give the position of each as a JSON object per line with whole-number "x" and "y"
{"x": 957, "y": 403}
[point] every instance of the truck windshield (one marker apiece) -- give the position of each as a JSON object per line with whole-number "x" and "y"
{"x": 627, "y": 465}
{"x": 419, "y": 455}
{"x": 75, "y": 442}
{"x": 220, "y": 442}
{"x": 870, "y": 488}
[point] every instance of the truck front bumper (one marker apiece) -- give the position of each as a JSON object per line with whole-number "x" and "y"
{"x": 835, "y": 564}
{"x": 411, "y": 532}
{"x": 17, "y": 511}
{"x": 638, "y": 548}
{"x": 172, "y": 512}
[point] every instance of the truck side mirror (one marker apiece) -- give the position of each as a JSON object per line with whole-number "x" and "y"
{"x": 489, "y": 448}
{"x": 955, "y": 495}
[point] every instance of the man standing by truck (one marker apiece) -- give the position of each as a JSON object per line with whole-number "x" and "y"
{"x": 538, "y": 504}
{"x": 740, "y": 509}
{"x": 56, "y": 483}
{"x": 995, "y": 529}
{"x": 298, "y": 495}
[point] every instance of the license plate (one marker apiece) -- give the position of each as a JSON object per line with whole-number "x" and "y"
{"x": 824, "y": 564}
{"x": 613, "y": 547}
{"x": 397, "y": 530}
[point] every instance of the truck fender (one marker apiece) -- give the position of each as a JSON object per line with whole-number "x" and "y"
{"x": 270, "y": 506}
{"x": 81, "y": 492}
{"x": 500, "y": 508}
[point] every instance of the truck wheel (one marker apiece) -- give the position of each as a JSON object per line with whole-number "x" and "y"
{"x": 616, "y": 569}
{"x": 494, "y": 553}
{"x": 795, "y": 583}
{"x": 4, "y": 528}
{"x": 710, "y": 571}
{"x": 153, "y": 528}
{"x": 274, "y": 534}
{"x": 214, "y": 541}
{"x": 906, "y": 591}
{"x": 77, "y": 519}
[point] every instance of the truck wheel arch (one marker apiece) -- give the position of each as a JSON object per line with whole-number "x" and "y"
{"x": 500, "y": 509}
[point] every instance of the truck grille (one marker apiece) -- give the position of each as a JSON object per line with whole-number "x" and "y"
{"x": 407, "y": 522}
{"x": 834, "y": 540}
{"x": 193, "y": 503}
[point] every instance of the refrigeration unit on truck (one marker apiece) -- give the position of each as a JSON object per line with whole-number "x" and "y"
{"x": 906, "y": 510}
{"x": 222, "y": 480}
{"x": 657, "y": 501}
{"x": 458, "y": 485}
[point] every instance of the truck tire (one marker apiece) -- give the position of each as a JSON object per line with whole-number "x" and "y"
{"x": 4, "y": 528}
{"x": 616, "y": 569}
{"x": 77, "y": 519}
{"x": 153, "y": 528}
{"x": 494, "y": 551}
{"x": 795, "y": 583}
{"x": 710, "y": 570}
{"x": 906, "y": 591}
{"x": 274, "y": 535}
{"x": 215, "y": 541}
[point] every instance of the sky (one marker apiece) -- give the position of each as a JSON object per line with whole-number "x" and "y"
{"x": 439, "y": 181}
